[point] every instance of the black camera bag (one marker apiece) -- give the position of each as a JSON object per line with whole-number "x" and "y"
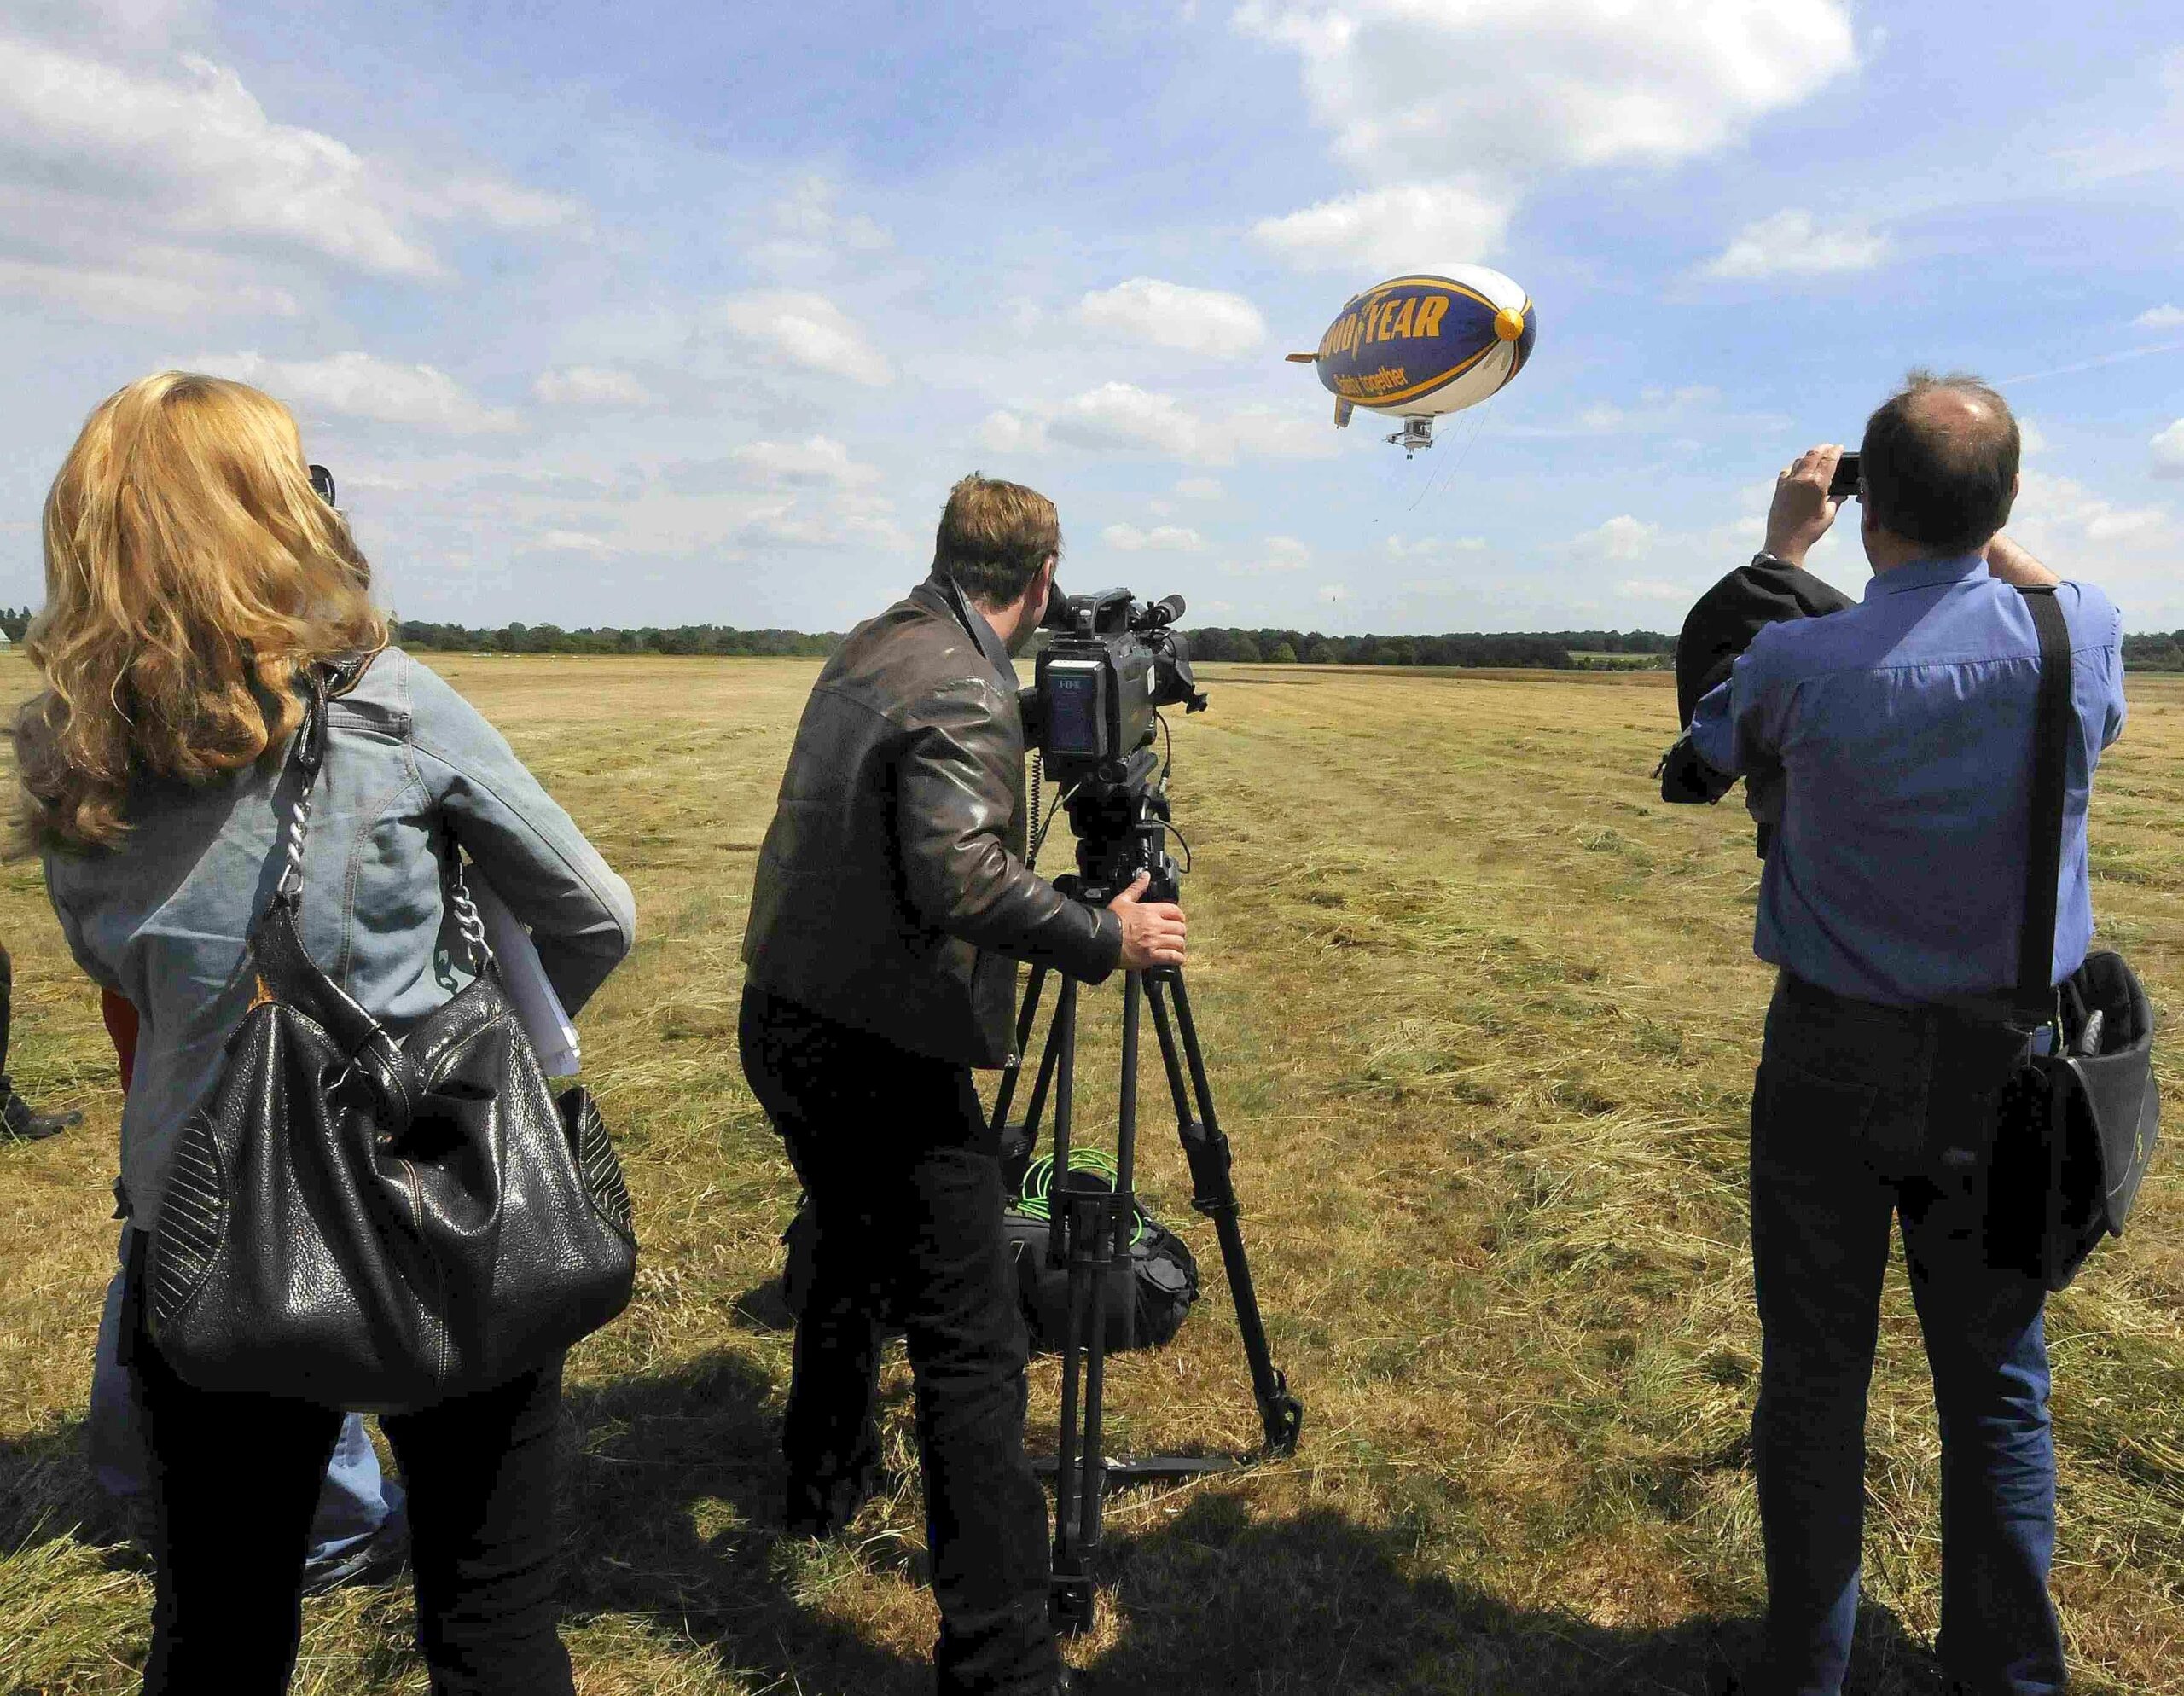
{"x": 1149, "y": 1294}
{"x": 2076, "y": 1127}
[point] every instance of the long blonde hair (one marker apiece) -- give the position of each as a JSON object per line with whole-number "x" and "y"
{"x": 191, "y": 573}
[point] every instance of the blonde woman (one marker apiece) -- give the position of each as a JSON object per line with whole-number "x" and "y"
{"x": 193, "y": 579}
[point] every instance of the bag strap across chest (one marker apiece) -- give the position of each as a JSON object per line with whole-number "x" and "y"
{"x": 2052, "y": 726}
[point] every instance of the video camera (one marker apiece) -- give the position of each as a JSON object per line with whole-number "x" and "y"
{"x": 1091, "y": 715}
{"x": 1100, "y": 682}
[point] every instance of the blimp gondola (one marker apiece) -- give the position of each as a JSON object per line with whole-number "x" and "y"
{"x": 1418, "y": 347}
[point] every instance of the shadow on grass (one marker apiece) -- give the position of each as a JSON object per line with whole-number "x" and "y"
{"x": 675, "y": 1508}
{"x": 1216, "y": 1602}
{"x": 1219, "y": 1600}
{"x": 47, "y": 1492}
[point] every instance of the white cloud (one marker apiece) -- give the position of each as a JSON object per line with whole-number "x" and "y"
{"x": 2169, "y": 452}
{"x": 2159, "y": 318}
{"x": 2066, "y": 513}
{"x": 2031, "y": 437}
{"x": 591, "y": 386}
{"x": 1274, "y": 553}
{"x": 1205, "y": 320}
{"x": 1520, "y": 90}
{"x": 814, "y": 462}
{"x": 1162, "y": 538}
{"x": 158, "y": 292}
{"x": 1408, "y": 226}
{"x": 1122, "y": 418}
{"x": 1334, "y": 591}
{"x": 1652, "y": 588}
{"x": 810, "y": 235}
{"x": 576, "y": 542}
{"x": 99, "y": 155}
{"x": 806, "y": 330}
{"x": 1791, "y": 243}
{"x": 1199, "y": 488}
{"x": 1012, "y": 433}
{"x": 1656, "y": 408}
{"x": 1530, "y": 84}
{"x": 1434, "y": 547}
{"x": 361, "y": 386}
{"x": 1621, "y": 537}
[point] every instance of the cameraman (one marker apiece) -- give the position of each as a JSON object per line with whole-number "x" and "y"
{"x": 1901, "y": 730}
{"x": 891, "y": 905}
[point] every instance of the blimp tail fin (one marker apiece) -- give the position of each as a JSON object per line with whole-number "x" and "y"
{"x": 1300, "y": 358}
{"x": 1342, "y": 411}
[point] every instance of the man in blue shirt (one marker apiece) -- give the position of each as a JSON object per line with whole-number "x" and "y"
{"x": 1898, "y": 734}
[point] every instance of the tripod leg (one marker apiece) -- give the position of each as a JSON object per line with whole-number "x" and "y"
{"x": 1109, "y": 1240}
{"x": 1005, "y": 1097}
{"x": 1072, "y": 1583}
{"x": 1214, "y": 1194}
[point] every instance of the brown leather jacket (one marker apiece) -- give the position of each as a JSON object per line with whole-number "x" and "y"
{"x": 888, "y": 897}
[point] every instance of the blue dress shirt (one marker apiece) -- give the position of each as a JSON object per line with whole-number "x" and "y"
{"x": 1901, "y": 730}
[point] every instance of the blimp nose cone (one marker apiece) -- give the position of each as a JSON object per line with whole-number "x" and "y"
{"x": 1508, "y": 323}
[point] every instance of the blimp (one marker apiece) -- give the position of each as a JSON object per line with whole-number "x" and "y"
{"x": 1420, "y": 346}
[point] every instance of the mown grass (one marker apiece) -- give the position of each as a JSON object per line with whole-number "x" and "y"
{"x": 1482, "y": 1015}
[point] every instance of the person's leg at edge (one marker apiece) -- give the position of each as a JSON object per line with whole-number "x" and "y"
{"x": 821, "y": 1099}
{"x": 1988, "y": 1351}
{"x": 226, "y": 1618}
{"x": 356, "y": 1503}
{"x": 985, "y": 1512}
{"x": 1820, "y": 1222}
{"x": 483, "y": 1486}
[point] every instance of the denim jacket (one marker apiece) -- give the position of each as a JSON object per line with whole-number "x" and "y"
{"x": 163, "y": 918}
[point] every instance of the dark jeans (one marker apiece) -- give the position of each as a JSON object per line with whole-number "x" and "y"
{"x": 481, "y": 1471}
{"x": 1862, "y": 1113}
{"x": 905, "y": 1186}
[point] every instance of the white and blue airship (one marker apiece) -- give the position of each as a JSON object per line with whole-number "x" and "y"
{"x": 1417, "y": 347}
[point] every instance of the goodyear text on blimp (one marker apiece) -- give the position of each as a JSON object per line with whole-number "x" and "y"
{"x": 1411, "y": 317}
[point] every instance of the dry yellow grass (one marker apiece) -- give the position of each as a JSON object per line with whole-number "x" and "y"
{"x": 1482, "y": 1014}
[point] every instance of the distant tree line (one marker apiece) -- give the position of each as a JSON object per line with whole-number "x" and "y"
{"x": 518, "y": 638}
{"x": 2154, "y": 652}
{"x": 1552, "y": 650}
{"x": 1556, "y": 650}
{"x": 1560, "y": 650}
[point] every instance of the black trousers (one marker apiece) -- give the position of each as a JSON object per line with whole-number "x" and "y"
{"x": 235, "y": 1480}
{"x": 906, "y": 1190}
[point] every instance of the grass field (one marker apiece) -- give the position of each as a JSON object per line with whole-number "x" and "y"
{"x": 1482, "y": 1014}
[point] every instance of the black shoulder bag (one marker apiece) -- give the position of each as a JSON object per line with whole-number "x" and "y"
{"x": 2077, "y": 1125}
{"x": 375, "y": 1222}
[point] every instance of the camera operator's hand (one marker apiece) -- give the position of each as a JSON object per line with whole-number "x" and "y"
{"x": 1152, "y": 931}
{"x": 1802, "y": 511}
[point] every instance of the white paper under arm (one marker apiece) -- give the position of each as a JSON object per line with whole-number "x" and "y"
{"x": 524, "y": 977}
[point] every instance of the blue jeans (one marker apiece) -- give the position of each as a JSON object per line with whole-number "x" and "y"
{"x": 1862, "y": 1114}
{"x": 354, "y": 1503}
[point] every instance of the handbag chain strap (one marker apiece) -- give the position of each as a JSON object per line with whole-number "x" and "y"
{"x": 308, "y": 754}
{"x": 2053, "y": 725}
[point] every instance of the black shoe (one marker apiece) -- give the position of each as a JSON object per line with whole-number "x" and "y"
{"x": 19, "y": 1120}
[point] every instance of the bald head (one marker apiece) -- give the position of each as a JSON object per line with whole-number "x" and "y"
{"x": 1939, "y": 463}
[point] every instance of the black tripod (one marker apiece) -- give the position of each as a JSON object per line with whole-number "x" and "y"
{"x": 1121, "y": 830}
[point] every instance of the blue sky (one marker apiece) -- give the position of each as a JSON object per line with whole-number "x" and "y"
{"x": 660, "y": 313}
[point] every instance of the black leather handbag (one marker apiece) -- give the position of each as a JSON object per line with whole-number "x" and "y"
{"x": 2077, "y": 1125}
{"x": 373, "y": 1223}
